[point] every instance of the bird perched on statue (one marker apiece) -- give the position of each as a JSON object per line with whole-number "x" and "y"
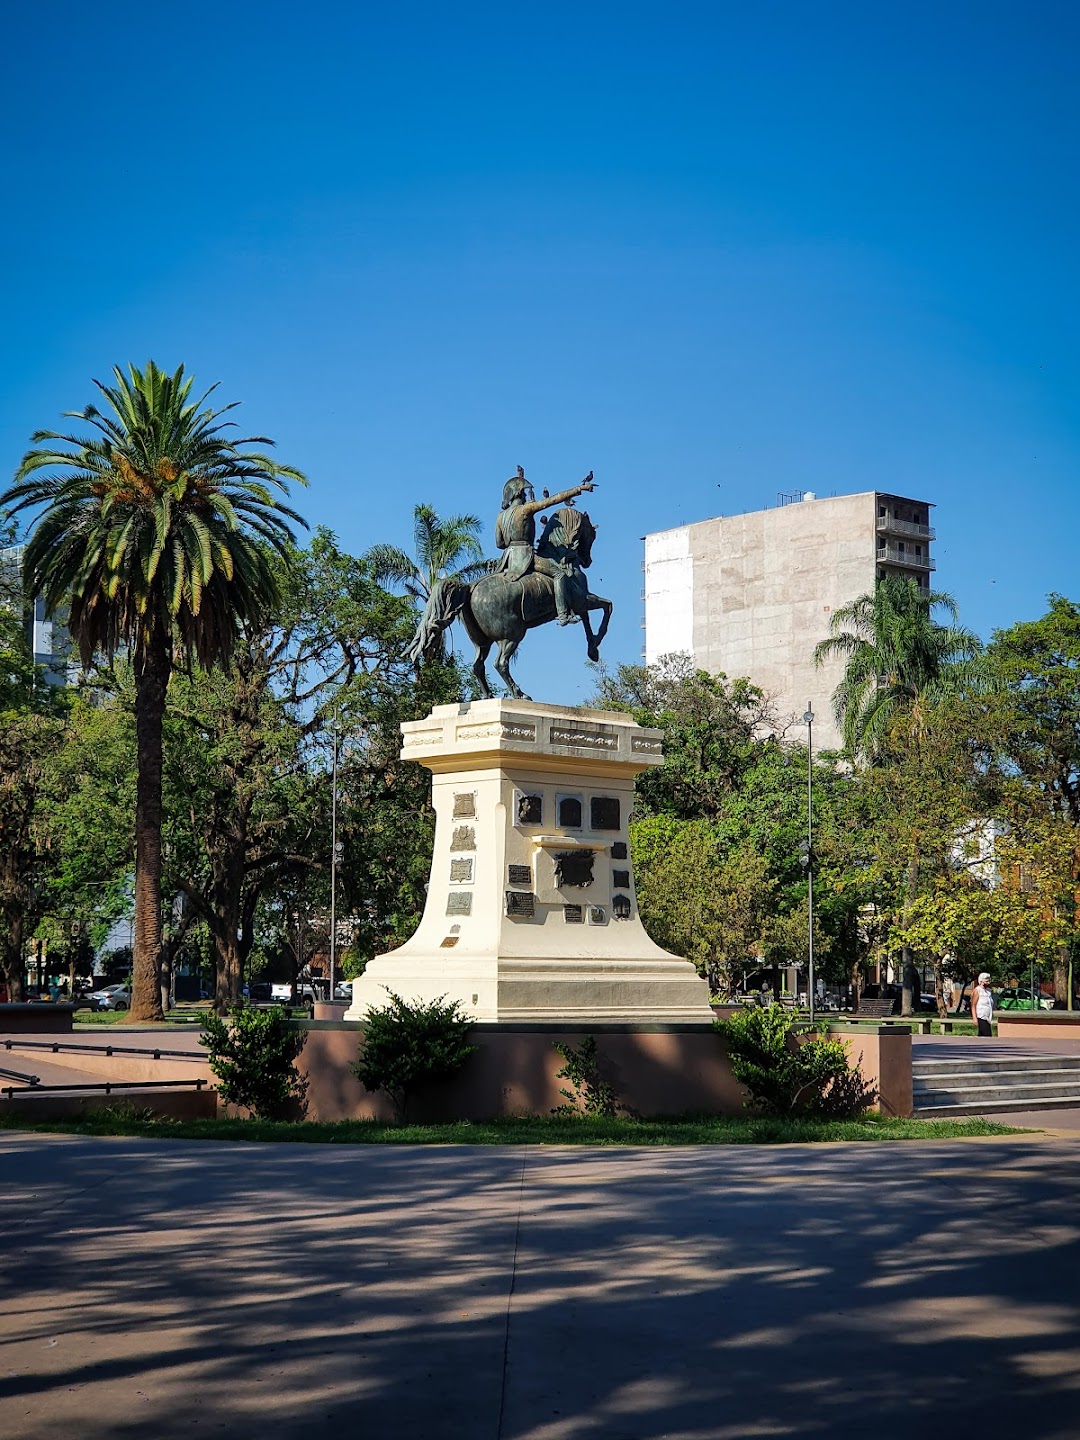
{"x": 546, "y": 494}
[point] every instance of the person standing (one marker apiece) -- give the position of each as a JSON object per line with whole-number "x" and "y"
{"x": 982, "y": 1004}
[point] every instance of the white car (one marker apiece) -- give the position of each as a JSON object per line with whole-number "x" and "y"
{"x": 281, "y": 993}
{"x": 112, "y": 997}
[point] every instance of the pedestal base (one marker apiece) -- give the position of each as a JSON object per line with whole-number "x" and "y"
{"x": 531, "y": 913}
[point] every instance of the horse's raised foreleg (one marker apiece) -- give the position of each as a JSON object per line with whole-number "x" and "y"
{"x": 502, "y": 665}
{"x": 596, "y": 602}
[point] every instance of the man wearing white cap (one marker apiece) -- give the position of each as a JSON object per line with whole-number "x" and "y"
{"x": 982, "y": 1004}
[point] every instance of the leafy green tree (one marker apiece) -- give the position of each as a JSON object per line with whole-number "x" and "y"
{"x": 249, "y": 791}
{"x": 897, "y": 659}
{"x": 710, "y": 727}
{"x": 29, "y": 740}
{"x": 1035, "y": 711}
{"x": 700, "y": 899}
{"x": 900, "y": 664}
{"x": 971, "y": 926}
{"x": 718, "y": 827}
{"x": 159, "y": 530}
{"x": 913, "y": 816}
{"x": 91, "y": 803}
{"x": 387, "y": 822}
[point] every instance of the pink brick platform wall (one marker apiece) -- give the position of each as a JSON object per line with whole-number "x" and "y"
{"x": 656, "y": 1071}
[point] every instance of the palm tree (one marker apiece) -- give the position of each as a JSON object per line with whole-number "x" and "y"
{"x": 162, "y": 534}
{"x": 444, "y": 550}
{"x": 898, "y": 659}
{"x": 899, "y": 662}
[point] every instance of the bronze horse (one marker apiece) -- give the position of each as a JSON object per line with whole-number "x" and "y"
{"x": 498, "y": 610}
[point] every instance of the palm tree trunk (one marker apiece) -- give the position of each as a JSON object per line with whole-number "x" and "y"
{"x": 151, "y": 682}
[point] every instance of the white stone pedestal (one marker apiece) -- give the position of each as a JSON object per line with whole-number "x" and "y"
{"x": 531, "y": 912}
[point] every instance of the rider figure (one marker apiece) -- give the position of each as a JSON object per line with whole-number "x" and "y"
{"x": 515, "y": 535}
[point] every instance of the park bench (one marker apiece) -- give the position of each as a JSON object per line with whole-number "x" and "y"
{"x": 874, "y": 1010}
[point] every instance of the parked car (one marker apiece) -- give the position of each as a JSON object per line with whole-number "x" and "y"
{"x": 281, "y": 993}
{"x": 343, "y": 990}
{"x": 112, "y": 997}
{"x": 1019, "y": 998}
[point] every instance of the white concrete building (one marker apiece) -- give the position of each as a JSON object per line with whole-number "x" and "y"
{"x": 752, "y": 594}
{"x": 48, "y": 639}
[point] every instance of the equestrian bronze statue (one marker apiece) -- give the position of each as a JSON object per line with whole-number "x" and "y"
{"x": 531, "y": 583}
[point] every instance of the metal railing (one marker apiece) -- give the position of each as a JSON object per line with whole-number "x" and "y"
{"x": 55, "y": 1046}
{"x": 888, "y": 525}
{"x": 108, "y": 1086}
{"x": 890, "y": 555}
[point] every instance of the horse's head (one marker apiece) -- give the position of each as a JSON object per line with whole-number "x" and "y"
{"x": 574, "y": 530}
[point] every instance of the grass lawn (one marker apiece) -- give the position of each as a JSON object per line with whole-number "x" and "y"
{"x": 179, "y": 1015}
{"x": 530, "y": 1130}
{"x": 96, "y": 1018}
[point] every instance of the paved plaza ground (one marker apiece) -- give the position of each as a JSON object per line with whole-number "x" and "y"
{"x": 161, "y": 1289}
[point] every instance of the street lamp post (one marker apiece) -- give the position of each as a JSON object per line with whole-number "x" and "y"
{"x": 335, "y": 860}
{"x": 808, "y": 720}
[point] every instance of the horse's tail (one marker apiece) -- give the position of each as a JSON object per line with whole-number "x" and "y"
{"x": 444, "y": 603}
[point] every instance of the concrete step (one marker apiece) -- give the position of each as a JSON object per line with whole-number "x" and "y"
{"x": 979, "y": 1083}
{"x": 934, "y": 1069}
{"x": 994, "y": 1107}
{"x": 962, "y": 1094}
{"x": 1015, "y": 1075}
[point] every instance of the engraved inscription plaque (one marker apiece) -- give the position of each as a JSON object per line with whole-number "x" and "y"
{"x": 465, "y": 806}
{"x": 574, "y": 914}
{"x": 521, "y": 903}
{"x": 459, "y": 903}
{"x": 574, "y": 868}
{"x": 604, "y": 812}
{"x": 618, "y": 850}
{"x": 461, "y": 871}
{"x": 570, "y": 812}
{"x": 583, "y": 739}
{"x": 463, "y": 838}
{"x": 646, "y": 745}
{"x": 520, "y": 874}
{"x": 597, "y": 915}
{"x": 448, "y": 943}
{"x": 620, "y": 907}
{"x": 530, "y": 809}
{"x": 620, "y": 879}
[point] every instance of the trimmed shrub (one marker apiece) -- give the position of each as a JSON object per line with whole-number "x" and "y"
{"x": 407, "y": 1046}
{"x": 252, "y": 1058}
{"x": 786, "y": 1076}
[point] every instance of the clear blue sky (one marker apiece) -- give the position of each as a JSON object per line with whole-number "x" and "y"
{"x": 689, "y": 246}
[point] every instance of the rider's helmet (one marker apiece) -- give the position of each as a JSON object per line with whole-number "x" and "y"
{"x": 516, "y": 488}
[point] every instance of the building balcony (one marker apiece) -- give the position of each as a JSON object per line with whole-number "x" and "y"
{"x": 888, "y": 525}
{"x": 891, "y": 555}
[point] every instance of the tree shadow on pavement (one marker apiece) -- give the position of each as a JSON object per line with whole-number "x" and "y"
{"x": 178, "y": 1288}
